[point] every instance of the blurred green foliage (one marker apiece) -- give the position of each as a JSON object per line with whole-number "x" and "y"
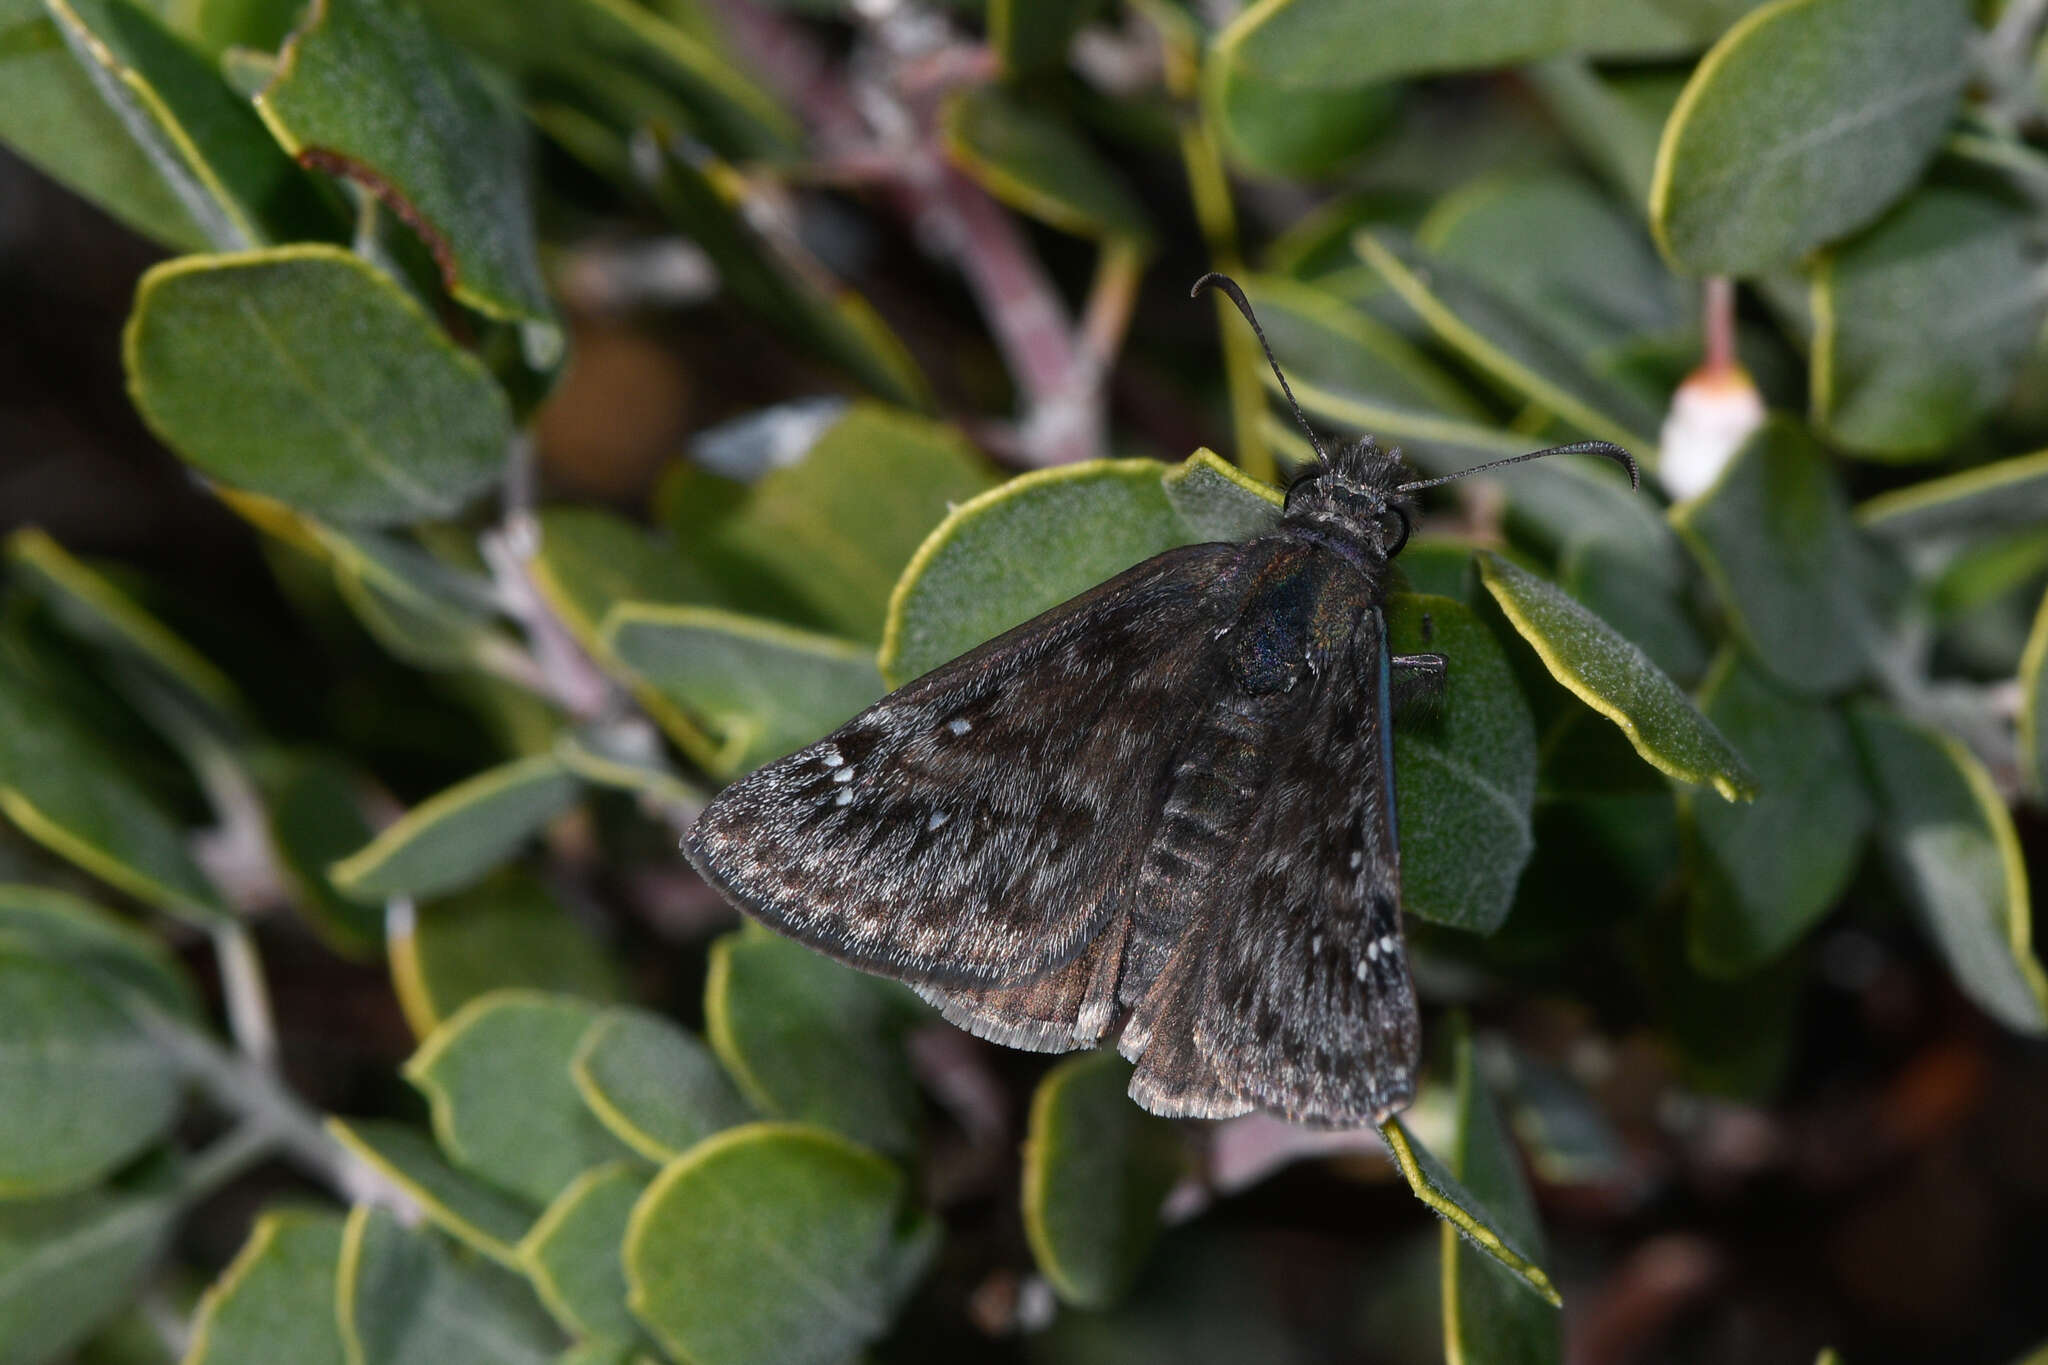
{"x": 1470, "y": 228}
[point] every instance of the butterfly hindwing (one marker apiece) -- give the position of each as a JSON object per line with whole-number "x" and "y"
{"x": 979, "y": 826}
{"x": 1312, "y": 1010}
{"x": 1288, "y": 988}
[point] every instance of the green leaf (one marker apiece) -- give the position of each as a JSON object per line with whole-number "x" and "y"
{"x": 1565, "y": 255}
{"x": 55, "y": 119}
{"x": 496, "y": 1077}
{"x": 1464, "y": 779}
{"x": 806, "y": 307}
{"x": 2004, "y": 495}
{"x": 457, "y": 837}
{"x": 2033, "y": 719}
{"x": 62, "y": 789}
{"x": 233, "y": 363}
{"x": 1000, "y": 559}
{"x": 68, "y": 1264}
{"x": 1491, "y": 332}
{"x": 1096, "y": 1168}
{"x": 1040, "y": 165}
{"x": 1613, "y": 118}
{"x": 1031, "y": 37}
{"x": 1601, "y": 571}
{"x": 772, "y": 1242}
{"x": 1618, "y": 680}
{"x": 805, "y": 1038}
{"x": 314, "y": 818}
{"x": 505, "y": 932}
{"x": 1802, "y": 124}
{"x": 45, "y": 922}
{"x": 1217, "y": 501}
{"x": 1477, "y": 1224}
{"x": 1347, "y": 368}
{"x": 1922, "y": 321}
{"x": 369, "y": 90}
{"x": 82, "y": 1086}
{"x": 822, "y": 542}
{"x": 622, "y": 764}
{"x": 629, "y": 61}
{"x": 230, "y": 178}
{"x": 404, "y": 1300}
{"x": 275, "y": 1301}
{"x": 1488, "y": 1314}
{"x": 654, "y": 1084}
{"x": 475, "y": 1214}
{"x": 757, "y": 688}
{"x": 92, "y": 606}
{"x": 1952, "y": 848}
{"x": 1766, "y": 871}
{"x": 1774, "y": 535}
{"x": 1315, "y": 63}
{"x": 573, "y": 1258}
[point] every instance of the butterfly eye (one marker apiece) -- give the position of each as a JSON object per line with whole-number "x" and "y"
{"x": 1399, "y": 514}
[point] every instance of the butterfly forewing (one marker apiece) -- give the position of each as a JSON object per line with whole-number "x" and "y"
{"x": 983, "y": 824}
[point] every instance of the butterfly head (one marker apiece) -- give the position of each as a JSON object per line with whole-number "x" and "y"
{"x": 1356, "y": 498}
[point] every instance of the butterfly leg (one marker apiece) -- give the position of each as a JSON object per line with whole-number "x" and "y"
{"x": 1418, "y": 681}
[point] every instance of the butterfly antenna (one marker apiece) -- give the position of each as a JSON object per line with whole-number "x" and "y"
{"x": 1606, "y": 449}
{"x": 1244, "y": 306}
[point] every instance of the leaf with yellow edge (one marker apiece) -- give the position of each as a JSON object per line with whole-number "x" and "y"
{"x": 1452, "y": 1202}
{"x": 1615, "y": 678}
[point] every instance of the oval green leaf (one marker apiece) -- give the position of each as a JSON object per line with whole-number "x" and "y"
{"x": 454, "y": 839}
{"x": 208, "y": 146}
{"x": 314, "y": 816}
{"x": 572, "y": 1254}
{"x": 505, "y": 1109}
{"x": 821, "y": 543}
{"x": 65, "y": 791}
{"x": 506, "y": 932}
{"x": 82, "y": 1086}
{"x": 68, "y": 1264}
{"x": 757, "y": 689}
{"x": 1488, "y": 1313}
{"x": 47, "y": 923}
{"x": 404, "y": 1300}
{"x": 275, "y": 1301}
{"x": 1802, "y": 124}
{"x": 1096, "y": 1168}
{"x": 1017, "y": 550}
{"x": 1774, "y": 535}
{"x": 480, "y": 1217}
{"x": 827, "y": 1252}
{"x": 1470, "y": 1219}
{"x": 232, "y": 362}
{"x": 1617, "y": 679}
{"x": 1764, "y": 872}
{"x": 1489, "y": 330}
{"x": 1465, "y": 776}
{"x": 369, "y": 90}
{"x": 1952, "y": 848}
{"x": 655, "y": 1085}
{"x": 1040, "y": 165}
{"x": 805, "y": 1038}
{"x": 1921, "y": 322}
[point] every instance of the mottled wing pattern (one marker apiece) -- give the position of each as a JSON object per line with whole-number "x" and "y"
{"x": 979, "y": 826}
{"x": 1290, "y": 988}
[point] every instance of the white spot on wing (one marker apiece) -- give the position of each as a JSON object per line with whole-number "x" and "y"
{"x": 1357, "y": 859}
{"x": 1388, "y": 944}
{"x": 1372, "y": 950}
{"x": 959, "y": 725}
{"x": 843, "y": 775}
{"x": 845, "y": 797}
{"x": 937, "y": 820}
{"x": 1315, "y": 945}
{"x": 830, "y": 758}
